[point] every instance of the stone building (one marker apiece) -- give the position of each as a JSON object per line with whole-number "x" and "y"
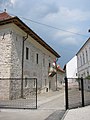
{"x": 23, "y": 54}
{"x": 60, "y": 77}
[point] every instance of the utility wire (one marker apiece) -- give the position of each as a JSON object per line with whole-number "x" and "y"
{"x": 49, "y": 26}
{"x": 53, "y": 27}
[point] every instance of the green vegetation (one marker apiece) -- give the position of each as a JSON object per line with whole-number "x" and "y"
{"x": 88, "y": 77}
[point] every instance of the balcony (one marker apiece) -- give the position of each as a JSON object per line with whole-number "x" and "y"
{"x": 52, "y": 71}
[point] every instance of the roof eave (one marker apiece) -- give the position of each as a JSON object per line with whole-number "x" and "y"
{"x": 83, "y": 46}
{"x": 26, "y": 29}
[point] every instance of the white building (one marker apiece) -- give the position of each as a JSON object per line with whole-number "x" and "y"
{"x": 83, "y": 60}
{"x": 23, "y": 54}
{"x": 71, "y": 69}
{"x": 83, "y": 64}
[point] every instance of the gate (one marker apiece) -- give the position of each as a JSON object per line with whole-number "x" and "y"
{"x": 74, "y": 92}
{"x": 86, "y": 91}
{"x": 14, "y": 94}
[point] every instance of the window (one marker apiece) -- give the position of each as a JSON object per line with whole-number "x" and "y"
{"x": 49, "y": 64}
{"x": 84, "y": 75}
{"x": 79, "y": 75}
{"x": 78, "y": 60}
{"x": 26, "y": 82}
{"x": 34, "y": 83}
{"x": 87, "y": 73}
{"x": 76, "y": 74}
{"x": 27, "y": 53}
{"x": 83, "y": 59}
{"x": 86, "y": 56}
{"x": 37, "y": 58}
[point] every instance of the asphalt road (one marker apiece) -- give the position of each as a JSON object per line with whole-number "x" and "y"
{"x": 56, "y": 103}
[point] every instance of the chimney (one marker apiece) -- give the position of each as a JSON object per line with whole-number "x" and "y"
{"x": 5, "y": 10}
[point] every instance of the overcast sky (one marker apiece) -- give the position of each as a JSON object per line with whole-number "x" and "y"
{"x": 68, "y": 15}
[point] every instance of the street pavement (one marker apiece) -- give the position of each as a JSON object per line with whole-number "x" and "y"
{"x": 78, "y": 114}
{"x": 50, "y": 107}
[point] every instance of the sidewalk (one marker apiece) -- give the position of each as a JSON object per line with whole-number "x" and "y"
{"x": 42, "y": 113}
{"x": 78, "y": 114}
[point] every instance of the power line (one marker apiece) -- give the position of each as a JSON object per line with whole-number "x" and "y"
{"x": 49, "y": 26}
{"x": 53, "y": 27}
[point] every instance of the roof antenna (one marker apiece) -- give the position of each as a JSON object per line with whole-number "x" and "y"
{"x": 5, "y": 10}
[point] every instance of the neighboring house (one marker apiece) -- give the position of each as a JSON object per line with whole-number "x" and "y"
{"x": 71, "y": 69}
{"x": 60, "y": 77}
{"x": 83, "y": 63}
{"x": 59, "y": 74}
{"x": 23, "y": 54}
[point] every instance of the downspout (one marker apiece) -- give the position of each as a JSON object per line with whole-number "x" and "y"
{"x": 24, "y": 39}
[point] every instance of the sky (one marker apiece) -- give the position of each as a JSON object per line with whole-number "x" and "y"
{"x": 65, "y": 16}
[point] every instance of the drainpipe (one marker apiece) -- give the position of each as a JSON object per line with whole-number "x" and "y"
{"x": 24, "y": 39}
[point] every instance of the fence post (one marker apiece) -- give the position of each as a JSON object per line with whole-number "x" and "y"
{"x": 66, "y": 92}
{"x": 82, "y": 91}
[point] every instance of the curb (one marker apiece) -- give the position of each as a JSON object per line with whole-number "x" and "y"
{"x": 64, "y": 115}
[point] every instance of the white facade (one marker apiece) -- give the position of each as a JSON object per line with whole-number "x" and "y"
{"x": 83, "y": 64}
{"x": 71, "y": 68}
{"x": 83, "y": 60}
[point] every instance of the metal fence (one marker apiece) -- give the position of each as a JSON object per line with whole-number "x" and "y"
{"x": 86, "y": 83}
{"x": 77, "y": 92}
{"x": 20, "y": 93}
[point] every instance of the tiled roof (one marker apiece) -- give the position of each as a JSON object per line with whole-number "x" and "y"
{"x": 4, "y": 16}
{"x": 60, "y": 69}
{"x": 83, "y": 45}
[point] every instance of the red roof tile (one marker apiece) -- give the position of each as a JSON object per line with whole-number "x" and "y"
{"x": 60, "y": 69}
{"x": 4, "y": 16}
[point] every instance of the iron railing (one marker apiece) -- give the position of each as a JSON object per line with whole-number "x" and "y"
{"x": 76, "y": 94}
{"x": 13, "y": 96}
